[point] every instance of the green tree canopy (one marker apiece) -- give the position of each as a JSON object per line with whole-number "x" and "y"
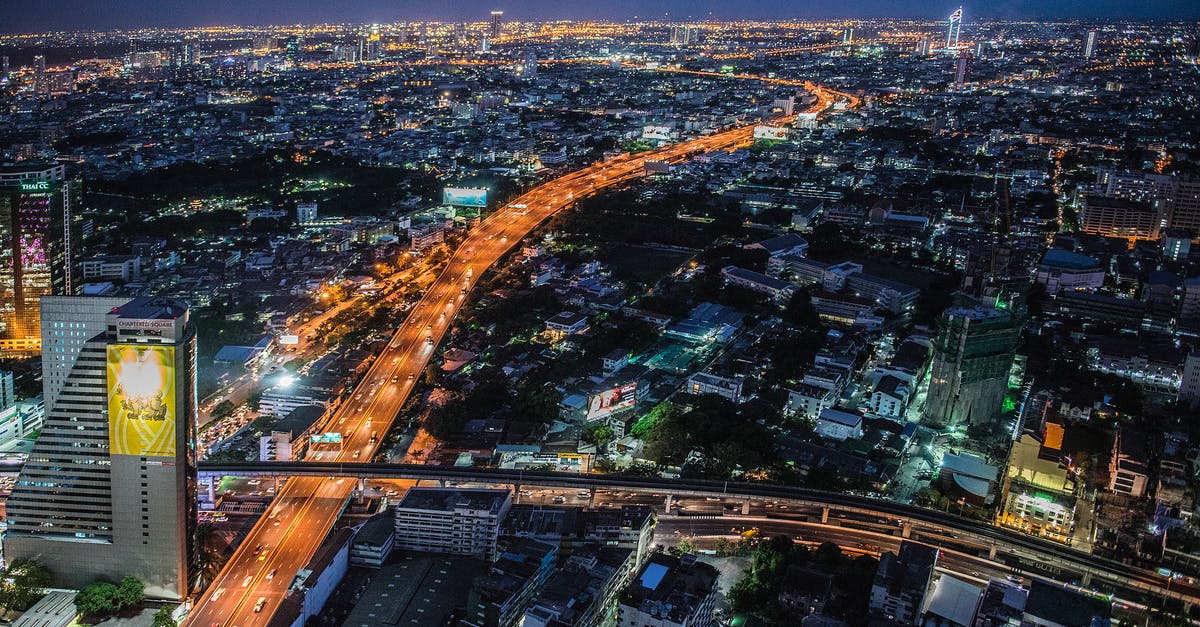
{"x": 23, "y": 583}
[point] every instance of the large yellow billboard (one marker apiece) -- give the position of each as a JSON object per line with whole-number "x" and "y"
{"x": 141, "y": 400}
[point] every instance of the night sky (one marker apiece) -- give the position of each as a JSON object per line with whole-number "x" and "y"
{"x": 42, "y": 15}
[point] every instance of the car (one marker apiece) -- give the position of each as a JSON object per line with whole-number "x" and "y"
{"x": 356, "y": 454}
{"x": 275, "y": 524}
{"x": 258, "y": 605}
{"x": 271, "y": 575}
{"x": 559, "y": 499}
{"x": 411, "y": 375}
{"x": 258, "y": 549}
{"x": 216, "y": 595}
{"x": 247, "y": 580}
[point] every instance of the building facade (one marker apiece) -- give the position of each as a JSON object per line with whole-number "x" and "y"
{"x": 39, "y": 248}
{"x": 110, "y": 486}
{"x": 972, "y": 355}
{"x": 466, "y": 522}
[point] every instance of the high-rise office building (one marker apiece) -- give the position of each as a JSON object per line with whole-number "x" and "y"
{"x": 292, "y": 50}
{"x": 683, "y": 35}
{"x": 961, "y": 66}
{"x": 923, "y": 47}
{"x": 495, "y": 25}
{"x": 972, "y": 355}
{"x": 954, "y": 27}
{"x": 1089, "y": 45}
{"x": 109, "y": 489}
{"x": 848, "y": 36}
{"x": 39, "y": 247}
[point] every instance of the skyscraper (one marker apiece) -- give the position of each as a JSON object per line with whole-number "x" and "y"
{"x": 955, "y": 25}
{"x": 39, "y": 247}
{"x": 961, "y": 65}
{"x": 495, "y": 24}
{"x": 923, "y": 47}
{"x": 972, "y": 354}
{"x": 1089, "y": 45}
{"x": 109, "y": 489}
{"x": 848, "y": 36}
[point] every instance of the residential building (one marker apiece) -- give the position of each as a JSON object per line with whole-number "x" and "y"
{"x": 1128, "y": 471}
{"x": 952, "y": 603}
{"x": 902, "y": 581}
{"x": 1112, "y": 216}
{"x": 499, "y": 597}
{"x": 110, "y": 486}
{"x": 890, "y": 398}
{"x": 582, "y": 591}
{"x": 706, "y": 383}
{"x": 670, "y": 592}
{"x": 808, "y": 401}
{"x": 566, "y": 324}
{"x": 448, "y": 520}
{"x": 834, "y": 424}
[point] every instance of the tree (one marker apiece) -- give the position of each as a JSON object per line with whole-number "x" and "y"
{"x": 598, "y": 433}
{"x": 162, "y": 618}
{"x": 224, "y": 409}
{"x": 23, "y": 583}
{"x": 131, "y": 592}
{"x": 800, "y": 311}
{"x": 97, "y": 599}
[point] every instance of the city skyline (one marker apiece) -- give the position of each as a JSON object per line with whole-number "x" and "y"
{"x": 894, "y": 320}
{"x": 26, "y": 16}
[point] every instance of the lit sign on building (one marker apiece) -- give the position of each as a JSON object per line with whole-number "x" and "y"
{"x": 609, "y": 401}
{"x": 332, "y": 437}
{"x": 35, "y": 186}
{"x": 773, "y": 133}
{"x": 464, "y": 197}
{"x": 141, "y": 400}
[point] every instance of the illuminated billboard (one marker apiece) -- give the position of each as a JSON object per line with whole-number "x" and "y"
{"x": 464, "y": 197}
{"x": 661, "y": 133}
{"x": 141, "y": 400}
{"x": 329, "y": 437}
{"x": 774, "y": 133}
{"x": 608, "y": 402}
{"x": 289, "y": 340}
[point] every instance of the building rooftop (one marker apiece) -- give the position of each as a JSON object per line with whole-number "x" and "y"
{"x": 1056, "y": 604}
{"x": 670, "y": 587}
{"x": 452, "y": 499}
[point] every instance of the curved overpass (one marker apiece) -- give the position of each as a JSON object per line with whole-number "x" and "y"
{"x": 996, "y": 540}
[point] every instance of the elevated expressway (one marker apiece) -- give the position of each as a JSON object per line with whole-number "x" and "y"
{"x": 256, "y": 579}
{"x": 1014, "y": 550}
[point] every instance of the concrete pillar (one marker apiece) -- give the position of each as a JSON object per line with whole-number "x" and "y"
{"x": 276, "y": 480}
{"x": 824, "y": 514}
{"x": 992, "y": 551}
{"x": 1086, "y": 579}
{"x": 362, "y": 484}
{"x": 591, "y": 497}
{"x": 516, "y": 493}
{"x": 746, "y": 507}
{"x": 212, "y": 488}
{"x": 906, "y": 529}
{"x": 667, "y": 504}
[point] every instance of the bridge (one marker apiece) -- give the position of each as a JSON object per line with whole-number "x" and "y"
{"x": 1017, "y": 550}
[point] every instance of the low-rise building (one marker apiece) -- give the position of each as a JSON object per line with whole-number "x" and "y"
{"x": 902, "y": 582}
{"x": 706, "y": 383}
{"x": 451, "y": 520}
{"x": 834, "y": 424}
{"x": 669, "y": 592}
{"x": 499, "y": 597}
{"x": 778, "y": 290}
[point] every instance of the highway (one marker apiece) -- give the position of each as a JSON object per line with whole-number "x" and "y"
{"x": 251, "y": 586}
